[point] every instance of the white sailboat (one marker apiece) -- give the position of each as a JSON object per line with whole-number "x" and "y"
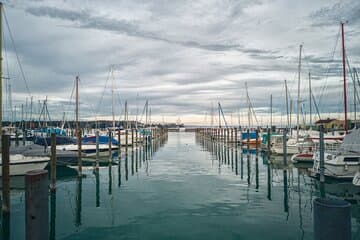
{"x": 344, "y": 162}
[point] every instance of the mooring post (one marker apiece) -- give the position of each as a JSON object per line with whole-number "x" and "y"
{"x": 126, "y": 140}
{"x": 132, "y": 138}
{"x": 331, "y": 219}
{"x": 36, "y": 205}
{"x": 110, "y": 145}
{"x": 24, "y": 136}
{"x": 227, "y": 135}
{"x": 248, "y": 140}
{"x": 235, "y": 136}
{"x": 285, "y": 147}
{"x": 97, "y": 148}
{"x": 53, "y": 162}
{"x": 79, "y": 153}
{"x": 257, "y": 140}
{"x": 322, "y": 168}
{"x": 119, "y": 144}
{"x": 136, "y": 136}
{"x": 5, "y": 145}
{"x": 269, "y": 140}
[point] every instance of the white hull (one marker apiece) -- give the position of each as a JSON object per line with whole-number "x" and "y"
{"x": 337, "y": 166}
{"x": 356, "y": 179}
{"x": 20, "y": 164}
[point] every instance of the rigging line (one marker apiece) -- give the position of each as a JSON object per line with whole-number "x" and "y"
{"x": 328, "y": 67}
{"x": 67, "y": 111}
{"x": 351, "y": 72}
{"x": 103, "y": 93}
{"x": 17, "y": 55}
{"x": 8, "y": 99}
{"x": 316, "y": 105}
{"x": 89, "y": 104}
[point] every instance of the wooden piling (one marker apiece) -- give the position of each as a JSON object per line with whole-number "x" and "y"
{"x": 285, "y": 147}
{"x": 110, "y": 145}
{"x": 269, "y": 140}
{"x": 132, "y": 138}
{"x": 97, "y": 148}
{"x": 53, "y": 162}
{"x": 79, "y": 153}
{"x": 36, "y": 205}
{"x": 136, "y": 138}
{"x": 119, "y": 144}
{"x": 5, "y": 145}
{"x": 321, "y": 150}
{"x": 126, "y": 140}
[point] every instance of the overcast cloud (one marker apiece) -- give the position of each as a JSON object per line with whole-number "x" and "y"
{"x": 184, "y": 56}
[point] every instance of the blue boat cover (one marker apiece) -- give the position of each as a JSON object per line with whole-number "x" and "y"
{"x": 102, "y": 140}
{"x": 252, "y": 135}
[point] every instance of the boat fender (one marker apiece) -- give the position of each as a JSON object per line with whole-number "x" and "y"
{"x": 346, "y": 167}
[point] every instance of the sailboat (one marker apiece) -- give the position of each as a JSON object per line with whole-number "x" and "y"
{"x": 250, "y": 138}
{"x": 19, "y": 164}
{"x": 88, "y": 143}
{"x": 343, "y": 162}
{"x": 301, "y": 143}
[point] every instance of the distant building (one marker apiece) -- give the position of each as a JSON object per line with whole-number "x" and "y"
{"x": 332, "y": 124}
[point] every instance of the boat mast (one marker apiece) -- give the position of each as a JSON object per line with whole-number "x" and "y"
{"x": 298, "y": 97}
{"x": 146, "y": 112}
{"x": 248, "y": 102}
{"x": 126, "y": 115}
{"x": 1, "y": 117}
{"x": 137, "y": 110}
{"x": 212, "y": 114}
{"x": 112, "y": 97}
{"x": 219, "y": 114}
{"x": 271, "y": 111}
{"x": 344, "y": 75}
{"x": 310, "y": 100}
{"x": 77, "y": 108}
{"x": 287, "y": 105}
{"x": 355, "y": 93}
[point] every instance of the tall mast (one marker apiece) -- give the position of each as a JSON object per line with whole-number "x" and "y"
{"x": 344, "y": 75}
{"x": 219, "y": 114}
{"x": 271, "y": 111}
{"x": 287, "y": 105}
{"x": 248, "y": 102}
{"x": 77, "y": 107}
{"x": 112, "y": 97}
{"x": 310, "y": 100}
{"x": 212, "y": 114}
{"x": 126, "y": 115}
{"x": 355, "y": 92}
{"x": 146, "y": 112}
{"x": 137, "y": 110}
{"x": 1, "y": 117}
{"x": 298, "y": 97}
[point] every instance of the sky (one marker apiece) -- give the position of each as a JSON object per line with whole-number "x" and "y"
{"x": 183, "y": 56}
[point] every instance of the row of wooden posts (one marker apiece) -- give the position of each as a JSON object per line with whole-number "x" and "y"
{"x": 37, "y": 185}
{"x": 229, "y": 135}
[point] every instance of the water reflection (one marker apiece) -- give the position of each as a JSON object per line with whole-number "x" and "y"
{"x": 198, "y": 184}
{"x": 52, "y": 215}
{"x": 78, "y": 201}
{"x": 278, "y": 171}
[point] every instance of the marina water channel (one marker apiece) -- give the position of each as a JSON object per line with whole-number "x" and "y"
{"x": 185, "y": 187}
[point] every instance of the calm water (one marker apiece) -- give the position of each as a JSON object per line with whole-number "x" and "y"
{"x": 186, "y": 188}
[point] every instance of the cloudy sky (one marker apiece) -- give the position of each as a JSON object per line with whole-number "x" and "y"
{"x": 183, "y": 56}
